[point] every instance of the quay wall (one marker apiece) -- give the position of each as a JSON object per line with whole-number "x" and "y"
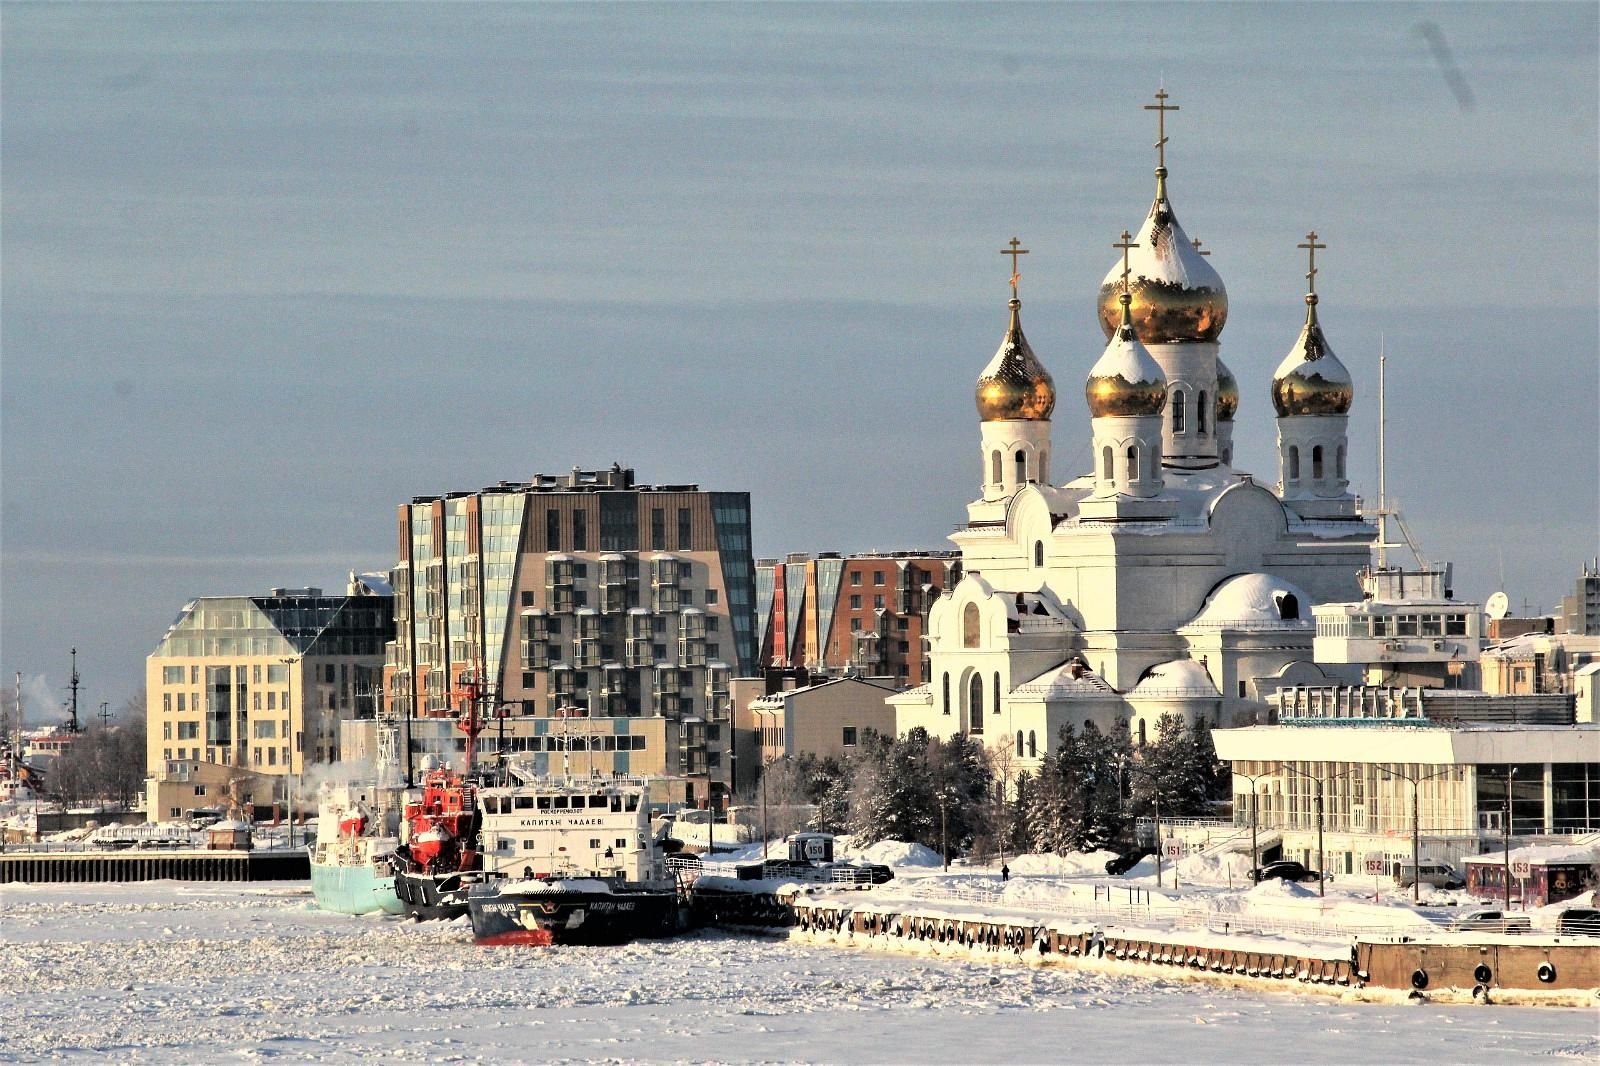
{"x": 37, "y": 867}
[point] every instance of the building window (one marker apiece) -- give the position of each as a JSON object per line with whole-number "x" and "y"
{"x": 946, "y": 693}
{"x": 855, "y": 625}
{"x": 1294, "y": 463}
{"x": 975, "y": 705}
{"x": 552, "y": 530}
{"x": 877, "y": 603}
{"x": 877, "y": 578}
{"x": 1141, "y": 733}
{"x": 580, "y": 531}
{"x": 1038, "y": 553}
{"x": 1316, "y": 463}
{"x": 1022, "y": 467}
{"x": 1019, "y": 743}
{"x": 1200, "y": 411}
{"x": 658, "y": 529}
{"x": 970, "y": 626}
{"x": 1133, "y": 462}
{"x": 1033, "y": 744}
{"x": 994, "y": 468}
{"x": 997, "y": 692}
{"x": 684, "y": 529}
{"x": 1177, "y": 410}
{"x": 855, "y": 577}
{"x": 1106, "y": 473}
{"x": 855, "y": 603}
{"x": 849, "y": 736}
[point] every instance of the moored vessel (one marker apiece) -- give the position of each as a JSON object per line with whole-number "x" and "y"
{"x": 572, "y": 860}
{"x": 350, "y": 870}
{"x": 438, "y": 857}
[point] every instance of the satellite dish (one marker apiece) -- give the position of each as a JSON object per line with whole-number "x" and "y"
{"x": 1497, "y": 605}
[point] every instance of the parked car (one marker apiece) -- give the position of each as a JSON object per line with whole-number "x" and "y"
{"x": 1123, "y": 863}
{"x": 1579, "y": 921}
{"x": 1284, "y": 870}
{"x": 1429, "y": 872}
{"x": 1491, "y": 920}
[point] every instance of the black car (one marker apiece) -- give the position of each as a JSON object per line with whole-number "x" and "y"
{"x": 1284, "y": 870}
{"x": 1123, "y": 863}
{"x": 1580, "y": 921}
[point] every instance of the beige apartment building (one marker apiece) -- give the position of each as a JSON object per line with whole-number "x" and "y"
{"x": 827, "y": 719}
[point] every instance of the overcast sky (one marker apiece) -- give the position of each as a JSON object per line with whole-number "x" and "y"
{"x": 271, "y": 270}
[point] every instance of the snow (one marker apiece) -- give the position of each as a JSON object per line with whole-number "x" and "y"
{"x": 1252, "y": 599}
{"x": 1542, "y": 854}
{"x": 898, "y": 854}
{"x": 1177, "y": 677}
{"x": 1130, "y": 361}
{"x": 167, "y": 972}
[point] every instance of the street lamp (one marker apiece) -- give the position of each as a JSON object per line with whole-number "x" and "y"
{"x": 288, "y": 668}
{"x": 1505, "y": 834}
{"x": 1255, "y": 854}
{"x": 1320, "y": 782}
{"x": 1416, "y": 833}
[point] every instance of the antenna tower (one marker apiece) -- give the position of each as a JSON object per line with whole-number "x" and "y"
{"x": 72, "y": 727}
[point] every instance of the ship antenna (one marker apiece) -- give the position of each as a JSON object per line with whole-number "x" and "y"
{"x": 1383, "y": 503}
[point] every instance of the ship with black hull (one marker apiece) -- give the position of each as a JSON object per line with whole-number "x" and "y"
{"x": 438, "y": 858}
{"x": 572, "y": 860}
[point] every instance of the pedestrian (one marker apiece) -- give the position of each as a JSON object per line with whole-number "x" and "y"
{"x": 1005, "y": 872}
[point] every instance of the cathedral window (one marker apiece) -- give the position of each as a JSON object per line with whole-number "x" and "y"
{"x": 1106, "y": 473}
{"x": 994, "y": 468}
{"x": 1033, "y": 744}
{"x": 975, "y": 705}
{"x": 947, "y": 693}
{"x": 1019, "y": 743}
{"x": 1141, "y": 733}
{"x": 1044, "y": 466}
{"x": 1200, "y": 411}
{"x": 1133, "y": 462}
{"x": 1316, "y": 463}
{"x": 1022, "y": 467}
{"x": 1038, "y": 553}
{"x": 1155, "y": 464}
{"x": 997, "y": 692}
{"x": 1294, "y": 463}
{"x": 970, "y": 626}
{"x": 1177, "y": 410}
{"x": 1288, "y": 606}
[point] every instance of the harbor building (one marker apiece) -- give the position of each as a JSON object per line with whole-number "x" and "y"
{"x": 583, "y": 599}
{"x": 832, "y": 614}
{"x": 256, "y": 685}
{"x": 1165, "y": 578}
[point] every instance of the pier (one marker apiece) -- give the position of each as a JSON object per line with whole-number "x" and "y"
{"x": 197, "y": 864}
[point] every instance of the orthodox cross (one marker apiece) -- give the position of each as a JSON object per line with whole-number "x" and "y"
{"x": 1126, "y": 244}
{"x": 1196, "y": 243}
{"x": 1014, "y": 251}
{"x": 1311, "y": 247}
{"x": 1161, "y": 107}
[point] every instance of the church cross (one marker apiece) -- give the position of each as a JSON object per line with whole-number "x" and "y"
{"x": 1014, "y": 251}
{"x": 1161, "y": 107}
{"x": 1196, "y": 243}
{"x": 1126, "y": 244}
{"x": 1311, "y": 247}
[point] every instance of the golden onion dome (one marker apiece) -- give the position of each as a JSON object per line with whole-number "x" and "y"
{"x": 1015, "y": 386}
{"x": 1227, "y": 393}
{"x": 1125, "y": 381}
{"x": 1311, "y": 380}
{"x": 1178, "y": 297}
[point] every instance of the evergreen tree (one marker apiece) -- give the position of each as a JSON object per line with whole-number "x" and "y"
{"x": 1103, "y": 822}
{"x": 1046, "y": 811}
{"x": 1214, "y": 779}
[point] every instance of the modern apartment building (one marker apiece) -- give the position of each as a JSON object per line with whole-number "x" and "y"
{"x": 583, "y": 596}
{"x": 863, "y": 614}
{"x": 259, "y": 683}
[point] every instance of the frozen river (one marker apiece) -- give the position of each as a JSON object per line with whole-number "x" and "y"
{"x": 201, "y": 973}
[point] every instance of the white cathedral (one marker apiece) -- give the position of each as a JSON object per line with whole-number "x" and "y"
{"x": 1164, "y": 579}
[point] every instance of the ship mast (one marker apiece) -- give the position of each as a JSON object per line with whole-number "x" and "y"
{"x": 72, "y": 685}
{"x": 1383, "y": 501}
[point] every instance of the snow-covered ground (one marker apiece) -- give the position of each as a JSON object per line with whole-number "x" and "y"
{"x": 182, "y": 973}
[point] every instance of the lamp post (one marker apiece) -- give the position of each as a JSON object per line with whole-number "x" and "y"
{"x": 1320, "y": 782}
{"x": 1416, "y": 833}
{"x": 288, "y": 669}
{"x": 1255, "y": 854}
{"x": 1505, "y": 833}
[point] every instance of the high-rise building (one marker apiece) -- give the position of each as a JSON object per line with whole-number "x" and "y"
{"x": 1580, "y": 612}
{"x": 861, "y": 614}
{"x": 258, "y": 684}
{"x": 582, "y": 597}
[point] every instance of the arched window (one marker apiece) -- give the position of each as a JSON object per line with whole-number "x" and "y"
{"x": 975, "y": 705}
{"x": 1200, "y": 411}
{"x": 1141, "y": 732}
{"x": 1294, "y": 463}
{"x": 1019, "y": 743}
{"x": 1177, "y": 410}
{"x": 1133, "y": 462}
{"x": 1022, "y": 466}
{"x": 947, "y": 692}
{"x": 1033, "y": 743}
{"x": 970, "y": 626}
{"x": 1038, "y": 553}
{"x": 1105, "y": 464}
{"x": 1338, "y": 459}
{"x": 994, "y": 468}
{"x": 997, "y": 692}
{"x": 1316, "y": 463}
{"x": 1288, "y": 607}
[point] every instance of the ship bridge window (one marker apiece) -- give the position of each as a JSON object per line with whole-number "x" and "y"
{"x": 633, "y": 803}
{"x": 544, "y": 803}
{"x": 524, "y": 803}
{"x": 597, "y": 801}
{"x": 622, "y": 842}
{"x": 560, "y": 803}
{"x": 594, "y": 843}
{"x": 616, "y": 804}
{"x": 491, "y": 804}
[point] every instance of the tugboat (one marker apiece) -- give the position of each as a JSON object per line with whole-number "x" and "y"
{"x": 572, "y": 860}
{"x": 350, "y": 870}
{"x": 438, "y": 857}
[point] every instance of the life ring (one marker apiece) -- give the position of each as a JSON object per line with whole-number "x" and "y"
{"x": 1547, "y": 972}
{"x": 1419, "y": 979}
{"x": 1482, "y": 974}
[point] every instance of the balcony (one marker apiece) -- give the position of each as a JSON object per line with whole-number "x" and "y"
{"x": 638, "y": 653}
{"x": 664, "y": 599}
{"x": 613, "y": 599}
{"x": 562, "y": 600}
{"x": 641, "y": 626}
{"x": 586, "y": 653}
{"x": 665, "y": 571}
{"x": 535, "y": 656}
{"x": 691, "y": 652}
{"x": 668, "y": 704}
{"x": 613, "y": 571}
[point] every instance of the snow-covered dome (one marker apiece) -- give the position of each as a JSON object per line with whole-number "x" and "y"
{"x": 1125, "y": 380}
{"x": 1255, "y": 600}
{"x": 1177, "y": 296}
{"x": 1015, "y": 386}
{"x": 1179, "y": 677}
{"x": 1311, "y": 380}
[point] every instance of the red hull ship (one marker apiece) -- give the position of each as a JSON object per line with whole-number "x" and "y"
{"x": 439, "y": 856}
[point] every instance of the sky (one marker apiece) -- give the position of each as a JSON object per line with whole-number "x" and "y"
{"x": 271, "y": 270}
